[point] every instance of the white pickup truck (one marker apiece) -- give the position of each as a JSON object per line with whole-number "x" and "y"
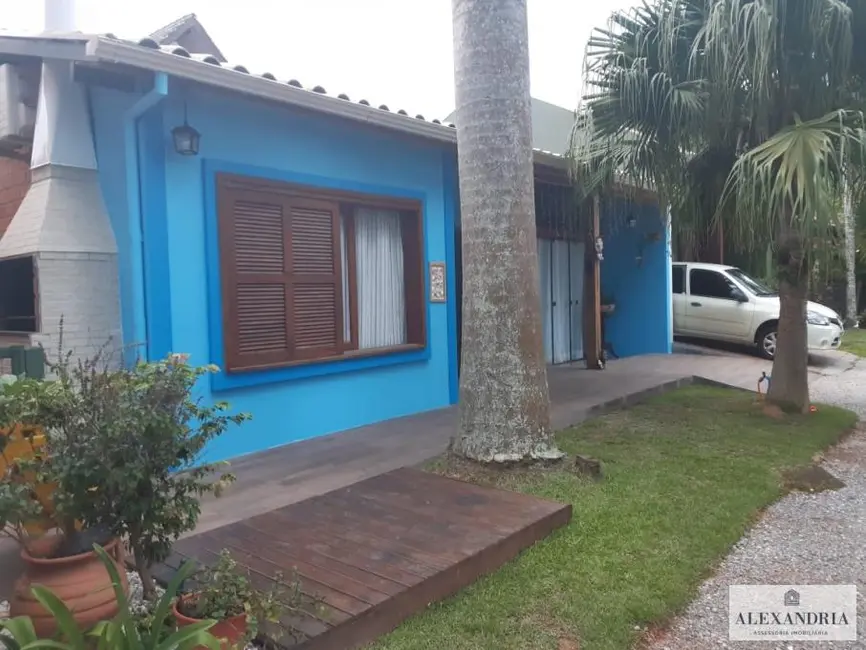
{"x": 714, "y": 301}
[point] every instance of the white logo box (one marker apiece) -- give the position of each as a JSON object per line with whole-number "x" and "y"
{"x": 792, "y": 612}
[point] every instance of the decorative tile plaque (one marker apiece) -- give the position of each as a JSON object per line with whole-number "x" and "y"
{"x": 437, "y": 282}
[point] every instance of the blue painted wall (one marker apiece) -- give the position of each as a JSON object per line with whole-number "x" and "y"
{"x": 640, "y": 288}
{"x": 181, "y": 287}
{"x": 108, "y": 108}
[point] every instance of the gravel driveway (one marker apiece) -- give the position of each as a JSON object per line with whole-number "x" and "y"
{"x": 804, "y": 538}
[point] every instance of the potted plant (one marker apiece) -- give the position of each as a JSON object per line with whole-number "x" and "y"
{"x": 137, "y": 470}
{"x": 55, "y": 549}
{"x": 123, "y": 632}
{"x": 223, "y": 593}
{"x": 123, "y": 452}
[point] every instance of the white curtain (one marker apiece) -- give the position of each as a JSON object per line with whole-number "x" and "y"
{"x": 544, "y": 275}
{"x": 381, "y": 294}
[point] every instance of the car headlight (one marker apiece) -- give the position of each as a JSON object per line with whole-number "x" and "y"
{"x": 814, "y": 318}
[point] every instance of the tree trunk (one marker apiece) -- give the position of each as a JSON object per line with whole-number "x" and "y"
{"x": 504, "y": 402}
{"x": 850, "y": 259}
{"x": 789, "y": 387}
{"x": 142, "y": 567}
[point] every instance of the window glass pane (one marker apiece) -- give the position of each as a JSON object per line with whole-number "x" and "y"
{"x": 709, "y": 284}
{"x": 678, "y": 279}
{"x": 753, "y": 285}
{"x": 380, "y": 281}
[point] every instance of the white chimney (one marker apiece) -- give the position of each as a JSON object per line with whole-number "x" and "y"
{"x": 62, "y": 221}
{"x": 60, "y": 16}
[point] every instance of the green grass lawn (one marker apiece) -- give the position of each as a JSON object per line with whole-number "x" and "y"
{"x": 854, "y": 341}
{"x": 686, "y": 473}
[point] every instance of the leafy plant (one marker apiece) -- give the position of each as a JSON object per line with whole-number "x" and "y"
{"x": 223, "y": 591}
{"x": 22, "y": 402}
{"x": 18, "y": 506}
{"x": 126, "y": 451}
{"x": 124, "y": 632}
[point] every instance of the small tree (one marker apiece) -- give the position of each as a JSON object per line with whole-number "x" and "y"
{"x": 126, "y": 452}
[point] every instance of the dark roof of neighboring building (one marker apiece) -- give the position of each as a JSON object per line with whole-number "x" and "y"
{"x": 188, "y": 32}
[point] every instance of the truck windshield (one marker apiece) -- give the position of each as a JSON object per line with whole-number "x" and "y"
{"x": 753, "y": 285}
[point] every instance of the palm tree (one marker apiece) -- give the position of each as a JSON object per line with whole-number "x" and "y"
{"x": 849, "y": 222}
{"x": 504, "y": 402}
{"x": 740, "y": 111}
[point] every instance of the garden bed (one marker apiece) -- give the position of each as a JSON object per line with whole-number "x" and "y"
{"x": 684, "y": 476}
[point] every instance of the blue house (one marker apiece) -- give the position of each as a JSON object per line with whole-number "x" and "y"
{"x": 307, "y": 244}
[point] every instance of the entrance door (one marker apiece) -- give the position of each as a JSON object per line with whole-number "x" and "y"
{"x": 561, "y": 305}
{"x": 576, "y": 268}
{"x": 544, "y": 257}
{"x": 561, "y": 277}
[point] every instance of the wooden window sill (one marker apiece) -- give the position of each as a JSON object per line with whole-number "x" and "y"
{"x": 345, "y": 356}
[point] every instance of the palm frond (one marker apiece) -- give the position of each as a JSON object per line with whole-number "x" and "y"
{"x": 798, "y": 170}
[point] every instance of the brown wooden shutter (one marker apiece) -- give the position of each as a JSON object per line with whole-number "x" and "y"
{"x": 255, "y": 278}
{"x": 315, "y": 304}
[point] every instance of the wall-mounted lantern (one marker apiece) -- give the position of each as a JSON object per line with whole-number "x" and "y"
{"x": 186, "y": 139}
{"x": 599, "y": 249}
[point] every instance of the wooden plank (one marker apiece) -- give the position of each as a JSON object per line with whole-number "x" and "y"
{"x": 484, "y": 512}
{"x": 380, "y": 620}
{"x": 294, "y": 551}
{"x": 394, "y": 536}
{"x": 371, "y": 535}
{"x": 235, "y": 538}
{"x": 469, "y": 493}
{"x": 311, "y": 623}
{"x": 377, "y": 552}
{"x": 364, "y": 557}
{"x": 426, "y": 526}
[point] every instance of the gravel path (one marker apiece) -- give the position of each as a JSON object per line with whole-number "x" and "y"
{"x": 803, "y": 539}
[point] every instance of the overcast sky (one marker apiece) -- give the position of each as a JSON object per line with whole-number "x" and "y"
{"x": 396, "y": 52}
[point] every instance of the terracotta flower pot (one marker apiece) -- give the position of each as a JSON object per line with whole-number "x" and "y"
{"x": 80, "y": 581}
{"x": 229, "y": 631}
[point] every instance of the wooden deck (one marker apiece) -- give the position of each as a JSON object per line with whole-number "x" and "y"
{"x": 376, "y": 552}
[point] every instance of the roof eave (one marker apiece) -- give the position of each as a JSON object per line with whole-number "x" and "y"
{"x": 110, "y": 51}
{"x": 69, "y": 47}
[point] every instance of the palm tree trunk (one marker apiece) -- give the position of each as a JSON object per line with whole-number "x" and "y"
{"x": 789, "y": 387}
{"x": 850, "y": 259}
{"x": 504, "y": 402}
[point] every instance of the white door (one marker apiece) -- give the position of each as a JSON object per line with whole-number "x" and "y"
{"x": 560, "y": 270}
{"x": 544, "y": 247}
{"x": 713, "y": 310}
{"x": 561, "y": 305}
{"x": 576, "y": 264}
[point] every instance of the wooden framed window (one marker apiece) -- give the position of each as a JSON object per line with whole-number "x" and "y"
{"x": 317, "y": 275}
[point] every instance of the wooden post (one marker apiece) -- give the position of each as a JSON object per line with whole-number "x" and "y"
{"x": 592, "y": 343}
